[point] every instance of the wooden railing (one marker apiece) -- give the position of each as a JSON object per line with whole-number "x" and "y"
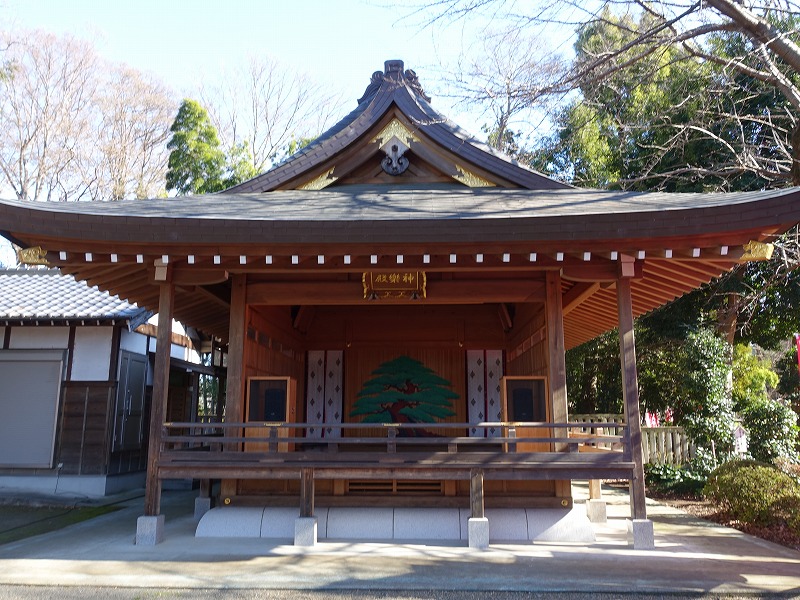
{"x": 659, "y": 444}
{"x": 666, "y": 445}
{"x": 400, "y": 451}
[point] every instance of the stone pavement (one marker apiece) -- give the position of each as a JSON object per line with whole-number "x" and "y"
{"x": 690, "y": 557}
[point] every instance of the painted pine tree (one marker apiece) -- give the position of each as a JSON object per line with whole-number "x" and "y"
{"x": 404, "y": 390}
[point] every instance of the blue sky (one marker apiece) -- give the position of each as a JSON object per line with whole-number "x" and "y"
{"x": 339, "y": 42}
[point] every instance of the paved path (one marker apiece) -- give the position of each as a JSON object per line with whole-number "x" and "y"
{"x": 98, "y": 557}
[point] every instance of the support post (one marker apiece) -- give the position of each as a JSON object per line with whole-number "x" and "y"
{"x": 150, "y": 527}
{"x": 202, "y": 504}
{"x": 305, "y": 527}
{"x": 234, "y": 387}
{"x": 478, "y": 524}
{"x": 630, "y": 397}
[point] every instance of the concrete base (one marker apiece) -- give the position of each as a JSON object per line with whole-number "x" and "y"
{"x": 305, "y": 531}
{"x": 478, "y": 532}
{"x": 149, "y": 530}
{"x": 201, "y": 507}
{"x": 640, "y": 534}
{"x": 596, "y": 511}
{"x": 406, "y": 524}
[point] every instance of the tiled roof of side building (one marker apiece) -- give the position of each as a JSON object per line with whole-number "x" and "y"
{"x": 36, "y": 294}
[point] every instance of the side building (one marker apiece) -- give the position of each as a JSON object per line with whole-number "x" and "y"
{"x": 76, "y": 372}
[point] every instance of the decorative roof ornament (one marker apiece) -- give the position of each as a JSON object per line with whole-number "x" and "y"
{"x": 393, "y": 72}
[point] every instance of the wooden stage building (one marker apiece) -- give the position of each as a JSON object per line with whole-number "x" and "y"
{"x": 397, "y": 299}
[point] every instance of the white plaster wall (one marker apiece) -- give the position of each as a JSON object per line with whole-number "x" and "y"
{"x": 133, "y": 342}
{"x": 92, "y": 353}
{"x": 43, "y": 337}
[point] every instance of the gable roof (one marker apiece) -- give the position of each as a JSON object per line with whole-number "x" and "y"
{"x": 45, "y": 295}
{"x": 396, "y": 96}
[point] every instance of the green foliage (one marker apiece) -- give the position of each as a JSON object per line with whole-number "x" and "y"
{"x": 753, "y": 377}
{"x": 404, "y": 390}
{"x": 707, "y": 411}
{"x": 772, "y": 428}
{"x": 755, "y": 493}
{"x": 196, "y": 161}
{"x": 197, "y": 164}
{"x": 593, "y": 370}
{"x": 674, "y": 479}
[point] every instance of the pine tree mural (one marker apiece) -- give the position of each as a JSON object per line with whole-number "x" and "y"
{"x": 404, "y": 390}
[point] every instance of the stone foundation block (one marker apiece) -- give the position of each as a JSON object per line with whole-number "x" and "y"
{"x": 201, "y": 507}
{"x": 596, "y": 511}
{"x": 640, "y": 534}
{"x": 305, "y": 531}
{"x": 149, "y": 530}
{"x": 478, "y": 532}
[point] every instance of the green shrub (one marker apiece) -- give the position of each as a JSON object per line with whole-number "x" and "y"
{"x": 674, "y": 479}
{"x": 772, "y": 428}
{"x": 753, "y": 492}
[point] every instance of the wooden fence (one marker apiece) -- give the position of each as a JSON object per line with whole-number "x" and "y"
{"x": 659, "y": 444}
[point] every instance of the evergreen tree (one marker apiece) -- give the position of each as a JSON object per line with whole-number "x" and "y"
{"x": 196, "y": 161}
{"x": 404, "y": 390}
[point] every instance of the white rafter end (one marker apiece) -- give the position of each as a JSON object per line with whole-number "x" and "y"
{"x": 320, "y": 259}
{"x": 479, "y": 258}
{"x": 614, "y": 255}
{"x": 641, "y": 254}
{"x": 559, "y": 256}
{"x": 426, "y": 258}
{"x": 242, "y": 259}
{"x": 88, "y": 256}
{"x": 347, "y": 259}
{"x": 140, "y": 258}
{"x": 506, "y": 257}
{"x": 587, "y": 256}
{"x": 695, "y": 252}
{"x": 190, "y": 259}
{"x": 399, "y": 259}
{"x": 114, "y": 258}
{"x": 723, "y": 251}
{"x": 268, "y": 259}
{"x": 217, "y": 259}
{"x": 453, "y": 259}
{"x": 532, "y": 257}
{"x": 373, "y": 259}
{"x": 295, "y": 259}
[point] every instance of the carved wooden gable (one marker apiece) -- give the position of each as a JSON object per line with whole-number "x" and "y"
{"x": 395, "y": 137}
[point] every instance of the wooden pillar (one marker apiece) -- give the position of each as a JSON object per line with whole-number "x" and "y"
{"x": 557, "y": 368}
{"x": 158, "y": 408}
{"x": 234, "y": 388}
{"x": 630, "y": 385}
{"x": 476, "y": 494}
{"x": 306, "y": 492}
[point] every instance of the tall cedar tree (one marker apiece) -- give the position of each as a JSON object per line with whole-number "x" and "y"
{"x": 196, "y": 161}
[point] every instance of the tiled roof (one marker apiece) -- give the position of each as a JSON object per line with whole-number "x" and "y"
{"x": 46, "y": 294}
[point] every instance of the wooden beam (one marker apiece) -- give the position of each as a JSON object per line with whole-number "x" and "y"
{"x": 158, "y": 408}
{"x": 575, "y": 297}
{"x": 630, "y": 395}
{"x": 438, "y": 292}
